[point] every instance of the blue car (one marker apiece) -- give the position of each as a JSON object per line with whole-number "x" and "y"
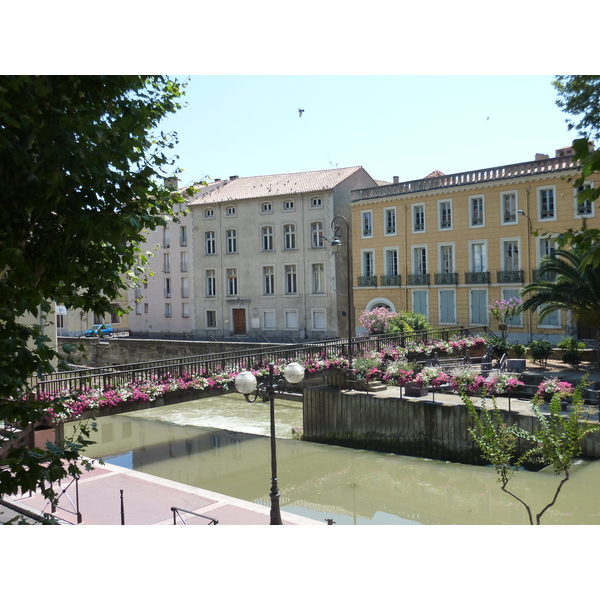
{"x": 99, "y": 331}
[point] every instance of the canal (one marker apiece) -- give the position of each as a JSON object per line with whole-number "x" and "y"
{"x": 221, "y": 444}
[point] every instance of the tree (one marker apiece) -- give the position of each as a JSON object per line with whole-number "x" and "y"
{"x": 579, "y": 96}
{"x": 556, "y": 443}
{"x": 80, "y": 180}
{"x": 567, "y": 280}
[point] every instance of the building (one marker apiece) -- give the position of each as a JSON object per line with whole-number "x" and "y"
{"x": 262, "y": 266}
{"x": 447, "y": 245}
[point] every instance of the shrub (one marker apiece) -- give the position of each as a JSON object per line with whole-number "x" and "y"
{"x": 416, "y": 321}
{"x": 572, "y": 357}
{"x": 540, "y": 351}
{"x": 518, "y": 350}
{"x": 376, "y": 321}
{"x": 499, "y": 346}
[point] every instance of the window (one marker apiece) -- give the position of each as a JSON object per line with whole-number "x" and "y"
{"x": 291, "y": 318}
{"x": 267, "y": 207}
{"x": 390, "y": 221}
{"x": 268, "y": 281}
{"x": 185, "y": 310}
{"x": 546, "y": 204}
{"x": 184, "y": 262}
{"x": 232, "y": 282}
{"x": 367, "y": 223}
{"x": 231, "y": 237}
{"x": 476, "y": 211}
{"x": 289, "y": 237}
{"x": 368, "y": 263}
{"x": 445, "y": 208}
{"x": 509, "y": 207}
{"x": 210, "y": 283}
{"x": 319, "y": 319}
{"x": 168, "y": 310}
{"x": 446, "y": 259}
{"x": 510, "y": 255}
{"x": 316, "y": 234}
{"x": 478, "y": 308}
{"x": 146, "y": 307}
{"x": 211, "y": 319}
{"x": 418, "y": 212}
{"x": 269, "y": 319}
{"x": 210, "y": 245}
{"x": 185, "y": 292}
{"x": 230, "y": 211}
{"x": 166, "y": 262}
{"x": 167, "y": 288}
{"x": 391, "y": 262}
{"x": 318, "y": 278}
{"x": 209, "y": 213}
{"x": 478, "y": 257}
{"x": 419, "y": 302}
{"x": 547, "y": 248}
{"x": 447, "y": 306}
{"x": 183, "y": 235}
{"x": 288, "y": 205}
{"x": 551, "y": 320}
{"x": 291, "y": 286}
{"x": 267, "y": 238}
{"x": 420, "y": 261}
{"x": 585, "y": 208}
{"x": 507, "y": 295}
{"x": 166, "y": 238}
{"x": 138, "y": 308}
{"x": 316, "y": 203}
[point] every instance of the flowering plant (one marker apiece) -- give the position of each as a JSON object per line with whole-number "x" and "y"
{"x": 501, "y": 383}
{"x": 399, "y": 373}
{"x": 504, "y": 311}
{"x": 376, "y": 321}
{"x": 432, "y": 377}
{"x": 553, "y": 386}
{"x": 466, "y": 378}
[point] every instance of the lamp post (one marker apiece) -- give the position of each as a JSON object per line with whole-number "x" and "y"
{"x": 336, "y": 244}
{"x": 246, "y": 384}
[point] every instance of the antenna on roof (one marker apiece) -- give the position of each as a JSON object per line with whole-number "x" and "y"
{"x": 331, "y": 164}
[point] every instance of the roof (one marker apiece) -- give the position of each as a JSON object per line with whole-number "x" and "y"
{"x": 262, "y": 186}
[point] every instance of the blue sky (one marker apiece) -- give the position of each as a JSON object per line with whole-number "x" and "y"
{"x": 405, "y": 125}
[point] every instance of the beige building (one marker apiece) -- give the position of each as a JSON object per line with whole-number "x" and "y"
{"x": 263, "y": 267}
{"x": 447, "y": 245}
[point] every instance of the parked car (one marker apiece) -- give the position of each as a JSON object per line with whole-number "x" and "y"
{"x": 99, "y": 331}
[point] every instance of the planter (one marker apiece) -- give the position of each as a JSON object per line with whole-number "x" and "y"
{"x": 415, "y": 390}
{"x": 564, "y": 404}
{"x": 516, "y": 365}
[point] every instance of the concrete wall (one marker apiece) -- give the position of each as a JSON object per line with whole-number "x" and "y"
{"x": 402, "y": 426}
{"x": 122, "y": 351}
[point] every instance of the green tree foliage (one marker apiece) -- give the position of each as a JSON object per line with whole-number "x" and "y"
{"x": 579, "y": 96}
{"x": 556, "y": 442}
{"x": 80, "y": 180}
{"x": 567, "y": 280}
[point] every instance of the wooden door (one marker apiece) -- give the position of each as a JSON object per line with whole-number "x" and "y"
{"x": 239, "y": 321}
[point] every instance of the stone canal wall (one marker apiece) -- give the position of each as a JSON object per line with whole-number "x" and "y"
{"x": 407, "y": 426}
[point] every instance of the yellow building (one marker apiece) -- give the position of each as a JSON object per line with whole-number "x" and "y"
{"x": 447, "y": 245}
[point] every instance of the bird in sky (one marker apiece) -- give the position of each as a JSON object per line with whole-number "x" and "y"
{"x": 300, "y": 111}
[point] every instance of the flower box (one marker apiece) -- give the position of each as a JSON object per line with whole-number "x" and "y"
{"x": 415, "y": 390}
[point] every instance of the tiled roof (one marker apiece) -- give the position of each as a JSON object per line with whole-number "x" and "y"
{"x": 264, "y": 186}
{"x": 434, "y": 174}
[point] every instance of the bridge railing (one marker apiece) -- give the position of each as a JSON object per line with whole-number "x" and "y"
{"x": 227, "y": 362}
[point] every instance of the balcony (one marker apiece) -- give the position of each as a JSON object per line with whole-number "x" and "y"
{"x": 477, "y": 277}
{"x": 548, "y": 276}
{"x": 510, "y": 276}
{"x": 388, "y": 280}
{"x": 367, "y": 281}
{"x": 420, "y": 279}
{"x": 445, "y": 278}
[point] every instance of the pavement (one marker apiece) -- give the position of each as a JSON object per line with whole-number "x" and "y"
{"x": 147, "y": 500}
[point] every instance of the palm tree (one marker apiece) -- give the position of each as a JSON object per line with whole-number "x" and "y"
{"x": 565, "y": 281}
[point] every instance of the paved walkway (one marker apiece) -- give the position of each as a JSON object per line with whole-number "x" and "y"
{"x": 147, "y": 500}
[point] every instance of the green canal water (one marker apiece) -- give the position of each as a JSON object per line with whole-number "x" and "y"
{"x": 221, "y": 444}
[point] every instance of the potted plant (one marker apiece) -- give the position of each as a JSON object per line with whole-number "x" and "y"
{"x": 552, "y": 386}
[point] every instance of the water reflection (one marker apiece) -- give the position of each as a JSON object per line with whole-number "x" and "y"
{"x": 181, "y": 443}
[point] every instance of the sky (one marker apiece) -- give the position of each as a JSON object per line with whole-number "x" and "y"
{"x": 404, "y": 125}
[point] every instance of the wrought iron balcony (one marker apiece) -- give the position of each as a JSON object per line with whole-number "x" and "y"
{"x": 445, "y": 278}
{"x": 510, "y": 276}
{"x": 367, "y": 280}
{"x": 420, "y": 279}
{"x": 548, "y": 276}
{"x": 477, "y": 277}
{"x": 389, "y": 280}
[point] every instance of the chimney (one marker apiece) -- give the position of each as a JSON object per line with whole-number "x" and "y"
{"x": 541, "y": 156}
{"x": 396, "y": 179}
{"x": 232, "y": 177}
{"x": 171, "y": 183}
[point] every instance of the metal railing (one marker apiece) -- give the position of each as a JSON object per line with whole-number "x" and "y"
{"x": 445, "y": 278}
{"x": 177, "y": 513}
{"x": 510, "y": 276}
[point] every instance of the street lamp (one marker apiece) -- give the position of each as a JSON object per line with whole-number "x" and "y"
{"x": 336, "y": 244}
{"x": 246, "y": 384}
